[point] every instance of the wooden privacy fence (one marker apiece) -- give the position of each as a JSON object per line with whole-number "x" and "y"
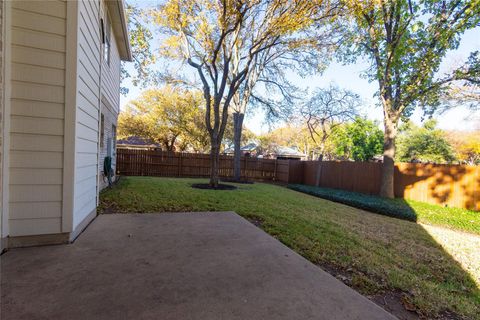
{"x": 133, "y": 162}
{"x": 452, "y": 185}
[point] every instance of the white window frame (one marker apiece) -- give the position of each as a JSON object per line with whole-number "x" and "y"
{"x": 106, "y": 38}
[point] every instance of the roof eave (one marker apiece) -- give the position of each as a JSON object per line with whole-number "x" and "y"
{"x": 120, "y": 28}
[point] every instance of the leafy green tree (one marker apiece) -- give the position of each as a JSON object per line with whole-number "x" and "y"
{"x": 143, "y": 53}
{"x": 465, "y": 94}
{"x": 423, "y": 144}
{"x": 222, "y": 41}
{"x": 168, "y": 116}
{"x": 172, "y": 117}
{"x": 466, "y": 146}
{"x": 293, "y": 136}
{"x": 326, "y": 109}
{"x": 359, "y": 140}
{"x": 406, "y": 41}
{"x": 267, "y": 84}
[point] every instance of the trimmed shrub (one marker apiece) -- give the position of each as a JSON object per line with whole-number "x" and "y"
{"x": 397, "y": 208}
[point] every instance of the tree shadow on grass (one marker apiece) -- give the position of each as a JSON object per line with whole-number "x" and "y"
{"x": 398, "y": 262}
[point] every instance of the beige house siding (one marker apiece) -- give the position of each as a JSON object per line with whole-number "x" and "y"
{"x": 111, "y": 74}
{"x": 2, "y": 90}
{"x": 89, "y": 153}
{"x": 110, "y": 104}
{"x": 38, "y": 36}
{"x": 110, "y": 120}
{"x": 88, "y": 109}
{"x": 54, "y": 86}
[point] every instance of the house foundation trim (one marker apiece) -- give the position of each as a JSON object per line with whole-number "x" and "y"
{"x": 83, "y": 225}
{"x": 37, "y": 240}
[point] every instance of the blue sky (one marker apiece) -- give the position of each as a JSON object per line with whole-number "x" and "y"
{"x": 348, "y": 76}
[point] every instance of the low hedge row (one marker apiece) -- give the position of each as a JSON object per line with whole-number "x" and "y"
{"x": 397, "y": 208}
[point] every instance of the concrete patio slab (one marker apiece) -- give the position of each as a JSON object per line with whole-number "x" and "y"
{"x": 173, "y": 266}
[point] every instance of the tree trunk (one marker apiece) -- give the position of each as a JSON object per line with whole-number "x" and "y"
{"x": 319, "y": 168}
{"x": 169, "y": 144}
{"x": 237, "y": 139}
{"x": 215, "y": 161}
{"x": 321, "y": 154}
{"x": 388, "y": 167}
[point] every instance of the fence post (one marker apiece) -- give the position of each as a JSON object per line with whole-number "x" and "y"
{"x": 474, "y": 186}
{"x": 318, "y": 174}
{"x": 246, "y": 174}
{"x": 179, "y": 165}
{"x": 275, "y": 171}
{"x": 288, "y": 171}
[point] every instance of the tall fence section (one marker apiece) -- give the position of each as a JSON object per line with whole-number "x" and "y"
{"x": 450, "y": 185}
{"x": 133, "y": 162}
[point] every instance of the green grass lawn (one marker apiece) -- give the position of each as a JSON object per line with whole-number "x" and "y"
{"x": 454, "y": 218}
{"x": 373, "y": 253}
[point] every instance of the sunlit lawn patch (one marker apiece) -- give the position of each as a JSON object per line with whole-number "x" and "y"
{"x": 454, "y": 218}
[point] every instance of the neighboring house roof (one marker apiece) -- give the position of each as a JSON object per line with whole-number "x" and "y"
{"x": 247, "y": 148}
{"x": 279, "y": 151}
{"x": 137, "y": 141}
{"x": 120, "y": 28}
{"x": 287, "y": 151}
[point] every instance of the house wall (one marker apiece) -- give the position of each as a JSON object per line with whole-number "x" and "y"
{"x": 87, "y": 111}
{"x": 91, "y": 99}
{"x": 111, "y": 73}
{"x": 110, "y": 104}
{"x": 110, "y": 118}
{"x": 54, "y": 86}
{"x": 2, "y": 90}
{"x": 37, "y": 97}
